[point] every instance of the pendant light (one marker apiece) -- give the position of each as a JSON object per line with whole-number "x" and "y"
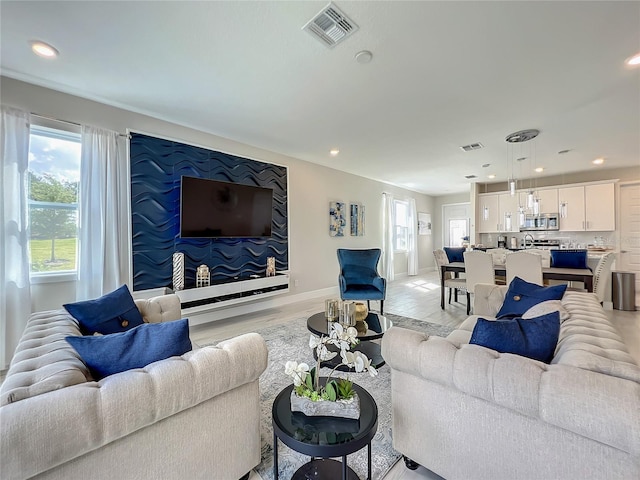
{"x": 520, "y": 137}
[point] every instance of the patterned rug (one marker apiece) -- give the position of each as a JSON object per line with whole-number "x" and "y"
{"x": 291, "y": 342}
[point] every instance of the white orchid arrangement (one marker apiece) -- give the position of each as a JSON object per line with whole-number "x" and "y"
{"x": 306, "y": 381}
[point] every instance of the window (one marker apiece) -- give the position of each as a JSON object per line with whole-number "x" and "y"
{"x": 401, "y": 226}
{"x": 54, "y": 177}
{"x": 458, "y": 232}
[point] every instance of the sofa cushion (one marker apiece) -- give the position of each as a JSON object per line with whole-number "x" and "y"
{"x": 522, "y": 295}
{"x": 111, "y": 313}
{"x": 545, "y": 307}
{"x": 136, "y": 348}
{"x": 569, "y": 258}
{"x": 535, "y": 338}
{"x": 455, "y": 254}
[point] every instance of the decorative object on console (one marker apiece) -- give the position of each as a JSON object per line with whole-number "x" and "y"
{"x": 357, "y": 219}
{"x": 178, "y": 271}
{"x": 271, "y": 266}
{"x": 331, "y": 309}
{"x": 315, "y": 398}
{"x": 361, "y": 311}
{"x": 112, "y": 313}
{"x": 348, "y": 314}
{"x": 203, "y": 276}
{"x": 337, "y": 220}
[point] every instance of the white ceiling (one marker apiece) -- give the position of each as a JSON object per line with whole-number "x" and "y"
{"x": 443, "y": 74}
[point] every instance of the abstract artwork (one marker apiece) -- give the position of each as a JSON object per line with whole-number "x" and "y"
{"x": 424, "y": 224}
{"x": 357, "y": 219}
{"x": 337, "y": 219}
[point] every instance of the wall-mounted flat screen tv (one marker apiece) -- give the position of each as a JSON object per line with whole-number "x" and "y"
{"x": 211, "y": 209}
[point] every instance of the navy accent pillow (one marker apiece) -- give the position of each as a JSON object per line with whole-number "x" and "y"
{"x": 522, "y": 295}
{"x": 135, "y": 348}
{"x": 569, "y": 258}
{"x": 112, "y": 313}
{"x": 455, "y": 254}
{"x": 535, "y": 338}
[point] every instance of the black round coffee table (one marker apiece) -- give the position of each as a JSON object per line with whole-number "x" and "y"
{"x": 373, "y": 328}
{"x": 323, "y": 438}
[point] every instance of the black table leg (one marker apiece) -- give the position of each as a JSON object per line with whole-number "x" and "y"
{"x": 275, "y": 457}
{"x": 344, "y": 467}
{"x": 369, "y": 461}
{"x": 442, "y": 287}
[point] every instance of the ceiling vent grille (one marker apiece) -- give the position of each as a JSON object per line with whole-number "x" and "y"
{"x": 471, "y": 147}
{"x": 330, "y": 26}
{"x": 470, "y": 176}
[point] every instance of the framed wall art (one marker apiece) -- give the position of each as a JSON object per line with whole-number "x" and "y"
{"x": 424, "y": 224}
{"x": 337, "y": 219}
{"x": 356, "y": 212}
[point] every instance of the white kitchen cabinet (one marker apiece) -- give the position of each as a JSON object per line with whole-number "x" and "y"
{"x": 508, "y": 213}
{"x": 487, "y": 215}
{"x": 548, "y": 200}
{"x": 588, "y": 208}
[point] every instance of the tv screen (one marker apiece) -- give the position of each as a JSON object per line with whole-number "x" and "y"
{"x": 211, "y": 208}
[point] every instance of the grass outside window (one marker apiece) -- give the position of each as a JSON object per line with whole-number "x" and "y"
{"x": 64, "y": 258}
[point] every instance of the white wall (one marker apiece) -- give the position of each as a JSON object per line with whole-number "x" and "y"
{"x": 312, "y": 252}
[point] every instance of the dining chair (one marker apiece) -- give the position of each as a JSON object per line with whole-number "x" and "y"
{"x": 545, "y": 255}
{"x": 478, "y": 268}
{"x": 453, "y": 284}
{"x": 601, "y": 277}
{"x": 499, "y": 257}
{"x": 527, "y": 266}
{"x": 358, "y": 278}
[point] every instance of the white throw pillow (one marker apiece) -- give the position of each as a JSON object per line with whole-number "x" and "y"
{"x": 545, "y": 307}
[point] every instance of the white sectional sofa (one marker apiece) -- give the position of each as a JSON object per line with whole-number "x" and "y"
{"x": 189, "y": 417}
{"x": 468, "y": 412}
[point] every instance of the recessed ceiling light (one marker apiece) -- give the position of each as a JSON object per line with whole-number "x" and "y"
{"x": 633, "y": 61}
{"x": 44, "y": 49}
{"x": 491, "y": 176}
{"x": 598, "y": 161}
{"x": 364, "y": 56}
{"x": 539, "y": 169}
{"x": 334, "y": 152}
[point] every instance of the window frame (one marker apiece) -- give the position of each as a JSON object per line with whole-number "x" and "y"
{"x": 405, "y": 204}
{"x": 64, "y": 131}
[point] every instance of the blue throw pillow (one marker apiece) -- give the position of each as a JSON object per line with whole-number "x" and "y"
{"x": 455, "y": 254}
{"x": 569, "y": 258}
{"x": 522, "y": 295}
{"x": 534, "y": 338}
{"x": 112, "y": 313}
{"x": 135, "y": 348}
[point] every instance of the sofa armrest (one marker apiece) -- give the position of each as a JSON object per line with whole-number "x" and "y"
{"x": 590, "y": 404}
{"x": 488, "y": 298}
{"x": 81, "y": 418}
{"x": 164, "y": 308}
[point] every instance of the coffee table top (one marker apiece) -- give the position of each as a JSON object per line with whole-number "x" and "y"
{"x": 377, "y": 325}
{"x": 324, "y": 436}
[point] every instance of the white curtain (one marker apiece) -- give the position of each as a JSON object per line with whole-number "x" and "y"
{"x": 388, "y": 225}
{"x": 412, "y": 238}
{"x": 103, "y": 220}
{"x": 15, "y": 288}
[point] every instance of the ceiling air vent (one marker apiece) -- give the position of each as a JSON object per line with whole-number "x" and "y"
{"x": 330, "y": 26}
{"x": 470, "y": 176}
{"x": 471, "y": 146}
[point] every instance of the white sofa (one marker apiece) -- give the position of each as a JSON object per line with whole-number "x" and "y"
{"x": 194, "y": 416}
{"x": 469, "y": 412}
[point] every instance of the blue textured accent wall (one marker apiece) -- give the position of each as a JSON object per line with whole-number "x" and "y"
{"x": 156, "y": 168}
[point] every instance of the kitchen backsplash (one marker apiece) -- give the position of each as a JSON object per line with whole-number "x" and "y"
{"x": 565, "y": 239}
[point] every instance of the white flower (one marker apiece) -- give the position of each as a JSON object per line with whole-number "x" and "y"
{"x": 324, "y": 354}
{"x": 296, "y": 370}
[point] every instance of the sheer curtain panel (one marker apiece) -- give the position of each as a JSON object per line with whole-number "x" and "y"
{"x": 102, "y": 252}
{"x": 412, "y": 238}
{"x": 15, "y": 288}
{"x": 388, "y": 226}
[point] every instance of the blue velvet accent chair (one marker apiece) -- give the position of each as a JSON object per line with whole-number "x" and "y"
{"x": 359, "y": 279}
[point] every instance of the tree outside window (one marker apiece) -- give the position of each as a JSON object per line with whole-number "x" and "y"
{"x": 54, "y": 171}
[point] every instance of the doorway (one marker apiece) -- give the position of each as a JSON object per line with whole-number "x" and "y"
{"x": 455, "y": 224}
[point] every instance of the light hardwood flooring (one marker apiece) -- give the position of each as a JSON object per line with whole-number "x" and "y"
{"x": 416, "y": 297}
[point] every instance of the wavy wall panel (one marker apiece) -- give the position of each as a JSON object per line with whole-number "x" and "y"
{"x": 156, "y": 168}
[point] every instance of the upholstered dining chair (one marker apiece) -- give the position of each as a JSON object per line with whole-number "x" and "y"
{"x": 358, "y": 278}
{"x": 527, "y": 266}
{"x": 453, "y": 284}
{"x": 601, "y": 277}
{"x": 478, "y": 268}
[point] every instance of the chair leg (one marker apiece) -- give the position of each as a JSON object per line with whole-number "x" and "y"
{"x": 381, "y": 307}
{"x": 455, "y": 295}
{"x": 450, "y": 294}
{"x": 368, "y": 305}
{"x": 468, "y": 303}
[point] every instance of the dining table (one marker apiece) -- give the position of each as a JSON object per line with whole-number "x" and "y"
{"x": 583, "y": 275}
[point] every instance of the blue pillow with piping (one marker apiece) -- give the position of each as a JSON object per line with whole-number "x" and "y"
{"x": 112, "y": 313}
{"x": 522, "y": 295}
{"x": 569, "y": 258}
{"x": 455, "y": 254}
{"x": 534, "y": 338}
{"x": 105, "y": 355}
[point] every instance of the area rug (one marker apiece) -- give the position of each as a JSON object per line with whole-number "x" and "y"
{"x": 291, "y": 342}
